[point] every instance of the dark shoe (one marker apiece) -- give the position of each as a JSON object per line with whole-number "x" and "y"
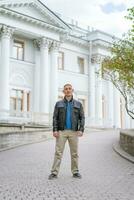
{"x": 77, "y": 175}
{"x": 52, "y": 176}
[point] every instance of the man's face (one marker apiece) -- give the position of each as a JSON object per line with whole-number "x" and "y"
{"x": 68, "y": 90}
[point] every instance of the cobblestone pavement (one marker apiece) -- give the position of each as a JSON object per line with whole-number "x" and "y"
{"x": 105, "y": 175}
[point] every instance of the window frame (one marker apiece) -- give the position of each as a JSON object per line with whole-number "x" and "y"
{"x": 15, "y": 41}
{"x": 16, "y": 98}
{"x": 62, "y": 60}
{"x": 80, "y": 66}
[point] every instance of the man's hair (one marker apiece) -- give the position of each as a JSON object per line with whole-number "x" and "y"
{"x": 67, "y": 84}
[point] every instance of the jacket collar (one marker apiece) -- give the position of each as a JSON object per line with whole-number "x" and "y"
{"x": 65, "y": 100}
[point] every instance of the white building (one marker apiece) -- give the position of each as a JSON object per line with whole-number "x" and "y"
{"x": 39, "y": 53}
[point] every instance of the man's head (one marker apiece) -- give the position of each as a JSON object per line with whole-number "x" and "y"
{"x": 68, "y": 90}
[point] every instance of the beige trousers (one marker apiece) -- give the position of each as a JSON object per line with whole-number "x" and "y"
{"x": 72, "y": 138}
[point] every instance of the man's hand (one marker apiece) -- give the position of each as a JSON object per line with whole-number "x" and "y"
{"x": 56, "y": 134}
{"x": 79, "y": 133}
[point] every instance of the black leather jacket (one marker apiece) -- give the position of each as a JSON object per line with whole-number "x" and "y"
{"x": 59, "y": 116}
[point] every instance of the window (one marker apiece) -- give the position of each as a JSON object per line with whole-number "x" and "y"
{"x": 81, "y": 65}
{"x": 20, "y": 100}
{"x": 18, "y": 50}
{"x": 16, "y": 100}
{"x": 61, "y": 60}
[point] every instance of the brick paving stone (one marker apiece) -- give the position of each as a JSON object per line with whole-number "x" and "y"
{"x": 105, "y": 175}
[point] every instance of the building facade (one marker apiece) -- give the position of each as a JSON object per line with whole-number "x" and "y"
{"x": 39, "y": 53}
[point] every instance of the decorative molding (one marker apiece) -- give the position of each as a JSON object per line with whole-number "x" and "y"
{"x": 45, "y": 43}
{"x": 6, "y": 7}
{"x": 32, "y": 20}
{"x": 36, "y": 43}
{"x": 97, "y": 58}
{"x": 78, "y": 41}
{"x": 64, "y": 37}
{"x": 16, "y": 3}
{"x": 101, "y": 43}
{"x": 42, "y": 43}
{"x": 55, "y": 45}
{"x": 6, "y": 31}
{"x": 57, "y": 25}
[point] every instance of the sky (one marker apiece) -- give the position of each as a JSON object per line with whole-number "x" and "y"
{"x": 105, "y": 15}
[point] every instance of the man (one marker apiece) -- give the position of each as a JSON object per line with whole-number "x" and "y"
{"x": 68, "y": 124}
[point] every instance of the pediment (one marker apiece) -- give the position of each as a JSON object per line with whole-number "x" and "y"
{"x": 34, "y": 9}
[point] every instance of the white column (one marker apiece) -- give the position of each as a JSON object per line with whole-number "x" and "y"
{"x": 97, "y": 60}
{"x": 91, "y": 88}
{"x": 116, "y": 108}
{"x": 6, "y": 33}
{"x": 99, "y": 99}
{"x": 54, "y": 74}
{"x": 44, "y": 76}
{"x": 36, "y": 98}
{"x": 92, "y": 94}
{"x": 111, "y": 105}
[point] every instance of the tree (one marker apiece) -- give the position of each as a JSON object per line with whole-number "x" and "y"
{"x": 119, "y": 67}
{"x": 131, "y": 18}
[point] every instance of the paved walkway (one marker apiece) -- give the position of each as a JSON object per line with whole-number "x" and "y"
{"x": 106, "y": 176}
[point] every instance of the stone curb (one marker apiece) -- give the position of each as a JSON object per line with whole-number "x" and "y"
{"x": 122, "y": 153}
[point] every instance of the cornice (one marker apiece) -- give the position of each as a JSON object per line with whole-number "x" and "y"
{"x": 64, "y": 37}
{"x": 38, "y": 5}
{"x": 51, "y": 13}
{"x": 77, "y": 41}
{"x": 9, "y": 3}
{"x": 64, "y": 34}
{"x": 101, "y": 43}
{"x": 103, "y": 33}
{"x": 20, "y": 16}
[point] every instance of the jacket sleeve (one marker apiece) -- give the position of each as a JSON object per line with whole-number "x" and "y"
{"x": 81, "y": 119}
{"x": 55, "y": 118}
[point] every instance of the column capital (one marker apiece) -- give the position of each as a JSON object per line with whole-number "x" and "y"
{"x": 42, "y": 43}
{"x": 55, "y": 45}
{"x": 97, "y": 58}
{"x": 45, "y": 43}
{"x": 6, "y": 31}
